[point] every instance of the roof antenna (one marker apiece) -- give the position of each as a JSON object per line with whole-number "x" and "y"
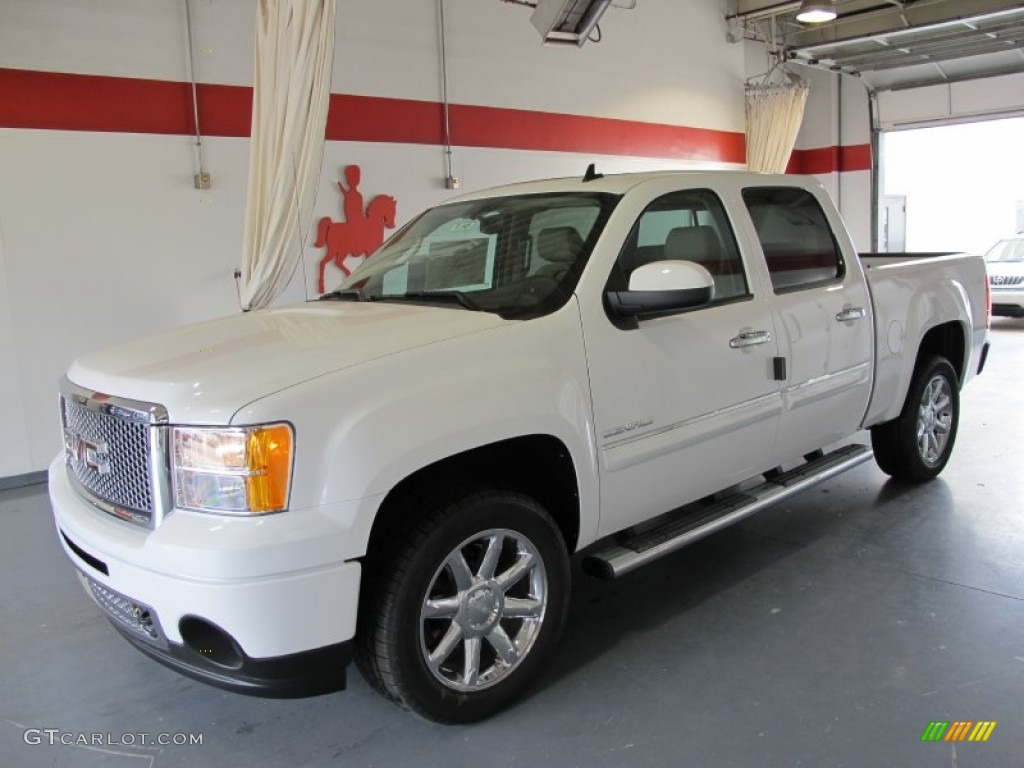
{"x": 592, "y": 173}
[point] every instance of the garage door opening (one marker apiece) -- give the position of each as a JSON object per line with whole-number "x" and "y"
{"x": 952, "y": 187}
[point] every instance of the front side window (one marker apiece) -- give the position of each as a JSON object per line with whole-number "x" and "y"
{"x": 519, "y": 256}
{"x": 795, "y": 237}
{"x": 688, "y": 226}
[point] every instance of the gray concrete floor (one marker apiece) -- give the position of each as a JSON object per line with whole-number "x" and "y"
{"x": 826, "y": 632}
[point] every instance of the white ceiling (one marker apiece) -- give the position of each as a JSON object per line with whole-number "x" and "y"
{"x": 894, "y": 44}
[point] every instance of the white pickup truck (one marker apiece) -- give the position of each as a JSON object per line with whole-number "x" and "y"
{"x": 400, "y": 471}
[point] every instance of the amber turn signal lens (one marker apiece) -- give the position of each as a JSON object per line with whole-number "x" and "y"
{"x": 270, "y": 465}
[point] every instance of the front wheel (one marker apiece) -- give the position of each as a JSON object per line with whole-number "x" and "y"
{"x": 916, "y": 445}
{"x": 463, "y": 611}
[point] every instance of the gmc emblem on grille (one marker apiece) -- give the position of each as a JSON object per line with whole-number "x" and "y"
{"x": 84, "y": 453}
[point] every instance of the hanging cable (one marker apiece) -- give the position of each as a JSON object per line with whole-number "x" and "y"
{"x": 449, "y": 178}
{"x": 202, "y": 179}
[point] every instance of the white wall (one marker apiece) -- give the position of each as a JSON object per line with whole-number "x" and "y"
{"x": 102, "y": 236}
{"x": 837, "y": 115}
{"x": 854, "y": 186}
{"x": 106, "y": 239}
{"x": 128, "y": 38}
{"x": 14, "y": 458}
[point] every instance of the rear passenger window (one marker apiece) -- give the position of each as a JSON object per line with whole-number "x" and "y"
{"x": 688, "y": 226}
{"x": 795, "y": 237}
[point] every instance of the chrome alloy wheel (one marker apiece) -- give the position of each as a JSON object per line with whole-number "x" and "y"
{"x": 934, "y": 419}
{"x": 483, "y": 610}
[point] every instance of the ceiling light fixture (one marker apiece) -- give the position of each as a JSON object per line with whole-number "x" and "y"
{"x": 815, "y": 13}
{"x": 568, "y": 21}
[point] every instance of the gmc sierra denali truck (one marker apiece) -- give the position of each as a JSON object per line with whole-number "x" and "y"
{"x": 399, "y": 472}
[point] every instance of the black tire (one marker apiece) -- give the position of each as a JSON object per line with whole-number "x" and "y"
{"x": 394, "y": 640}
{"x": 896, "y": 443}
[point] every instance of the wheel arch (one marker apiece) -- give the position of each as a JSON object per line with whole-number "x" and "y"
{"x": 538, "y": 465}
{"x": 948, "y": 340}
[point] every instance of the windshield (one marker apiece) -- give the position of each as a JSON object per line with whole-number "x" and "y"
{"x": 518, "y": 256}
{"x": 1007, "y": 250}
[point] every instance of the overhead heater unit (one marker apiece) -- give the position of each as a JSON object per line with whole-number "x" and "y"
{"x": 568, "y": 21}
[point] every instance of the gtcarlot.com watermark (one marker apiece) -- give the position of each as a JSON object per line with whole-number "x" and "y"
{"x": 53, "y": 736}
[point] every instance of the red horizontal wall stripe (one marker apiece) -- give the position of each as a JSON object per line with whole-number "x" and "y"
{"x": 520, "y": 129}
{"x": 51, "y": 100}
{"x": 61, "y": 101}
{"x": 372, "y": 118}
{"x": 224, "y": 110}
{"x": 856, "y": 157}
{"x": 368, "y": 118}
{"x": 820, "y": 160}
{"x": 67, "y": 102}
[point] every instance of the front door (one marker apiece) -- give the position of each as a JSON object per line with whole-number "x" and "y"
{"x": 684, "y": 404}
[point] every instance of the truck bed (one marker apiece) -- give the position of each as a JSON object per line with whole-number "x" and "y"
{"x": 912, "y": 293}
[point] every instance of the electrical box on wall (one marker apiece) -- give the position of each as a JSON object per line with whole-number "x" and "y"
{"x": 202, "y": 180}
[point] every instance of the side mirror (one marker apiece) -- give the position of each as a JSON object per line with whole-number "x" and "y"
{"x": 663, "y": 286}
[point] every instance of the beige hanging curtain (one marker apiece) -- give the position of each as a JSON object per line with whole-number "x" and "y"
{"x": 774, "y": 114}
{"x": 291, "y": 93}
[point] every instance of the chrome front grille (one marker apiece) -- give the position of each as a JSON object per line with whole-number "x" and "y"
{"x": 109, "y": 456}
{"x": 115, "y": 451}
{"x": 136, "y": 618}
{"x": 1005, "y": 281}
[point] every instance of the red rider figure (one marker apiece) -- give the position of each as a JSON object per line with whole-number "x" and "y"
{"x": 353, "y": 205}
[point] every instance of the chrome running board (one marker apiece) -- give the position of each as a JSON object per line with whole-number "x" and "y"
{"x": 695, "y": 521}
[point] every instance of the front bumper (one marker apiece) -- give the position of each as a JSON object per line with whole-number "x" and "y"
{"x": 310, "y": 673}
{"x": 231, "y": 602}
{"x": 1007, "y": 302}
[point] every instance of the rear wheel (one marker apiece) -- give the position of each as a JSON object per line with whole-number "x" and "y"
{"x": 916, "y": 445}
{"x": 462, "y": 612}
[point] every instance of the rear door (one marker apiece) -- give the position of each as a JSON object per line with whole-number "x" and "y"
{"x": 822, "y": 317}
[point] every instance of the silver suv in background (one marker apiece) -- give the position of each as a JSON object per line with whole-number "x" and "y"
{"x": 1005, "y": 261}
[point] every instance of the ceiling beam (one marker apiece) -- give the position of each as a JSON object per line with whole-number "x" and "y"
{"x": 929, "y": 57}
{"x": 751, "y": 9}
{"x": 909, "y": 83}
{"x": 923, "y": 13}
{"x": 883, "y": 48}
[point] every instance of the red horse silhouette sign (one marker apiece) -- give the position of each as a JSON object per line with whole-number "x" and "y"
{"x": 361, "y": 233}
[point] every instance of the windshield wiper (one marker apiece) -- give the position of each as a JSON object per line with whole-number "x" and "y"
{"x": 354, "y": 294}
{"x": 444, "y": 297}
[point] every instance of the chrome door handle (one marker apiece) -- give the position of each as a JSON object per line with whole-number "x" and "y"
{"x": 750, "y": 339}
{"x": 850, "y": 313}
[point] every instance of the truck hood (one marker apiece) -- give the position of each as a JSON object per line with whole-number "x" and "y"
{"x": 1005, "y": 268}
{"x": 204, "y": 373}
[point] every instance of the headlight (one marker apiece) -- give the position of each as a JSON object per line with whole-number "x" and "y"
{"x": 233, "y": 470}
